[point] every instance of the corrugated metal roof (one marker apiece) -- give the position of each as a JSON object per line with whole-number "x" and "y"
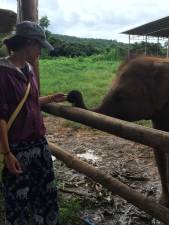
{"x": 157, "y": 28}
{"x": 7, "y": 20}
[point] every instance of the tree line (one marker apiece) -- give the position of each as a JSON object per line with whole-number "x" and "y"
{"x": 69, "y": 46}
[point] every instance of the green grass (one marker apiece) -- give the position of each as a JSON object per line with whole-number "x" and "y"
{"x": 87, "y": 75}
{"x": 69, "y": 211}
{"x": 91, "y": 75}
{"x": 1, "y": 166}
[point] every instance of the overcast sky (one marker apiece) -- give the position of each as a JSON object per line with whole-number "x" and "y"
{"x": 97, "y": 18}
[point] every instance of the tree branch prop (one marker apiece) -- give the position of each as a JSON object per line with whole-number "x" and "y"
{"x": 141, "y": 201}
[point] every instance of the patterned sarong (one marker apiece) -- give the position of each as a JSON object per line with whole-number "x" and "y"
{"x": 32, "y": 193}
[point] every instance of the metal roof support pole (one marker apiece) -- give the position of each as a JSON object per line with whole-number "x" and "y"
{"x": 129, "y": 47}
{"x": 157, "y": 46}
{"x": 168, "y": 48}
{"x": 145, "y": 50}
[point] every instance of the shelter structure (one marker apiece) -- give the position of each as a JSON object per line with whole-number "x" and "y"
{"x": 7, "y": 20}
{"x": 158, "y": 29}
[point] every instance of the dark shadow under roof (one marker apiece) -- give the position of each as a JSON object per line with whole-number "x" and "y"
{"x": 157, "y": 28}
{"x": 7, "y": 20}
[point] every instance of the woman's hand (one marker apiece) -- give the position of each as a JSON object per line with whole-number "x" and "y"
{"x": 12, "y": 164}
{"x": 59, "y": 97}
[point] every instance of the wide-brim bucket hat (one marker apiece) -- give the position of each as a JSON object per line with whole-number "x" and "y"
{"x": 32, "y": 30}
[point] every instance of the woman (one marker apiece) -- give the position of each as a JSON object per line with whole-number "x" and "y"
{"x": 28, "y": 177}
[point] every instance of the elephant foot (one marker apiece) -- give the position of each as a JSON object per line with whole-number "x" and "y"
{"x": 164, "y": 200}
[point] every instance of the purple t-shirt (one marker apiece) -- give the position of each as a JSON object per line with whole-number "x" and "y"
{"x": 28, "y": 125}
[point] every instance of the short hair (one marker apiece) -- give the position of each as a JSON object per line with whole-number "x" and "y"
{"x": 15, "y": 43}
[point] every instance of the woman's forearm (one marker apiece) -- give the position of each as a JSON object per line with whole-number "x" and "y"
{"x": 43, "y": 100}
{"x": 59, "y": 97}
{"x": 4, "y": 145}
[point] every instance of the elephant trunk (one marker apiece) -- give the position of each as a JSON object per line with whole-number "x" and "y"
{"x": 76, "y": 98}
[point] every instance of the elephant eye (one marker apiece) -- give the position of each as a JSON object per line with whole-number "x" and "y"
{"x": 119, "y": 96}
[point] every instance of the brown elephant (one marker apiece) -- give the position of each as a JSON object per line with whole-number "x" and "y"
{"x": 140, "y": 91}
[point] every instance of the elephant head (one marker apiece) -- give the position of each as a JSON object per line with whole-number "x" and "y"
{"x": 139, "y": 91}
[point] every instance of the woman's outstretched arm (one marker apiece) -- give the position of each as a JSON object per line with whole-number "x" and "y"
{"x": 59, "y": 97}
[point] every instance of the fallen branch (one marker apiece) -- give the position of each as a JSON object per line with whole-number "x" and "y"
{"x": 65, "y": 190}
{"x": 146, "y": 204}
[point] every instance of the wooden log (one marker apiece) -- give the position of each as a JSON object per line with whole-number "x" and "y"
{"x": 7, "y": 20}
{"x": 141, "y": 201}
{"x": 131, "y": 131}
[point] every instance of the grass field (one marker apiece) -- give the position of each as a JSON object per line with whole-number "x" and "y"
{"x": 89, "y": 75}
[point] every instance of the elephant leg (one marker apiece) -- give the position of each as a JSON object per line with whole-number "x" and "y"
{"x": 162, "y": 160}
{"x": 167, "y": 165}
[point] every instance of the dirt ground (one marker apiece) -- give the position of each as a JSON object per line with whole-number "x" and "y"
{"x": 129, "y": 162}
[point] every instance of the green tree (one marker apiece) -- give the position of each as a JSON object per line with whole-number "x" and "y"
{"x": 44, "y": 22}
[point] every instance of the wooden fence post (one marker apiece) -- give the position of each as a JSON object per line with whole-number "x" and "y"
{"x": 28, "y": 10}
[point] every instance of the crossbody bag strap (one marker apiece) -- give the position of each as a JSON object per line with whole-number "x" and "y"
{"x": 18, "y": 108}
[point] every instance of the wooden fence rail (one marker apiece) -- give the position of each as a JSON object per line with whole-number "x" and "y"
{"x": 144, "y": 135}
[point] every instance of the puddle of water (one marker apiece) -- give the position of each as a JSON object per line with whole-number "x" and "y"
{"x": 89, "y": 155}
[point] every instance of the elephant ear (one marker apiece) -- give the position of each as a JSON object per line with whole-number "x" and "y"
{"x": 160, "y": 84}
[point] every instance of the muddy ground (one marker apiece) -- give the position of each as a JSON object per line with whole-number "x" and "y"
{"x": 129, "y": 162}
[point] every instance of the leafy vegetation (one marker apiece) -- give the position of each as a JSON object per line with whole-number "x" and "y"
{"x": 70, "y": 46}
{"x": 69, "y": 211}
